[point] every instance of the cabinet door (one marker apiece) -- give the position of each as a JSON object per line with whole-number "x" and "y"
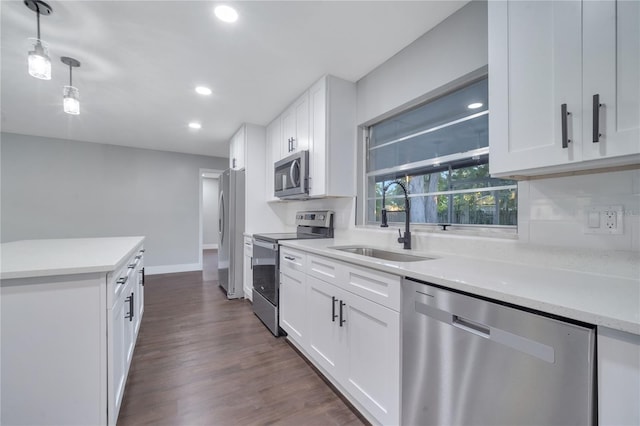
{"x": 130, "y": 323}
{"x": 140, "y": 291}
{"x": 241, "y": 141}
{"x": 274, "y": 137}
{"x": 318, "y": 138}
{"x": 247, "y": 270}
{"x": 323, "y": 326}
{"x": 536, "y": 66}
{"x": 295, "y": 126}
{"x": 288, "y": 119}
{"x": 293, "y": 312}
{"x": 301, "y": 108}
{"x": 618, "y": 377}
{"x": 237, "y": 150}
{"x": 612, "y": 71}
{"x": 371, "y": 370}
{"x": 232, "y": 153}
{"x": 117, "y": 358}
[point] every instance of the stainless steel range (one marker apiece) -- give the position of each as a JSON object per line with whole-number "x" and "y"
{"x": 266, "y": 259}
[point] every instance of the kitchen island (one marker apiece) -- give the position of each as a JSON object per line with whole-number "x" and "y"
{"x": 70, "y": 312}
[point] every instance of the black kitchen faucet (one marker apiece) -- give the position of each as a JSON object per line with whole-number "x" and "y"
{"x": 406, "y": 239}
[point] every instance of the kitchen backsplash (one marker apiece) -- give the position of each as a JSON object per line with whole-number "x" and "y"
{"x": 552, "y": 211}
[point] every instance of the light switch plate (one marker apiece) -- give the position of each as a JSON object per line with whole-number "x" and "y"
{"x": 604, "y": 220}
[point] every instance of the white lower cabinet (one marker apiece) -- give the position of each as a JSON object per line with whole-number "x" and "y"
{"x": 354, "y": 340}
{"x": 324, "y": 319}
{"x": 293, "y": 288}
{"x": 357, "y": 341}
{"x": 371, "y": 370}
{"x": 247, "y": 274}
{"x": 293, "y": 314}
{"x": 618, "y": 378}
{"x": 118, "y": 344}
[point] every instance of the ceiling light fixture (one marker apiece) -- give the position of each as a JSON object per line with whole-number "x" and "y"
{"x": 203, "y": 90}
{"x": 71, "y": 100}
{"x": 475, "y": 105}
{"x": 226, "y": 13}
{"x": 39, "y": 62}
{"x": 194, "y": 125}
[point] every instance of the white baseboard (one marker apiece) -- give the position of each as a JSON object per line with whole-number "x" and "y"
{"x": 209, "y": 246}
{"x": 170, "y": 269}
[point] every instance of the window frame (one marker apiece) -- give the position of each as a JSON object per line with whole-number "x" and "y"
{"x": 365, "y": 175}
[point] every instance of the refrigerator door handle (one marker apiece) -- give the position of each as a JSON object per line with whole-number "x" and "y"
{"x": 221, "y": 218}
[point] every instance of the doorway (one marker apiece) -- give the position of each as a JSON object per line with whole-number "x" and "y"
{"x": 209, "y": 211}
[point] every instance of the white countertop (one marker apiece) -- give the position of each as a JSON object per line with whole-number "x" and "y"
{"x": 41, "y": 258}
{"x": 603, "y": 300}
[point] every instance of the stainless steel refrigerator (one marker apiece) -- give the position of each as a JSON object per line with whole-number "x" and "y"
{"x": 230, "y": 232}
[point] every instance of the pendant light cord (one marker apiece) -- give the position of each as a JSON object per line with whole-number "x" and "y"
{"x": 38, "y": 19}
{"x": 70, "y": 75}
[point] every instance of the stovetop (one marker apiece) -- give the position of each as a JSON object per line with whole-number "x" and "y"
{"x": 275, "y": 237}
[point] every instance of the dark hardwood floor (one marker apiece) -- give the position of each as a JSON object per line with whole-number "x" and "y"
{"x": 201, "y": 359}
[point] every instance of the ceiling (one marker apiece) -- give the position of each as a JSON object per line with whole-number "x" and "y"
{"x": 141, "y": 61}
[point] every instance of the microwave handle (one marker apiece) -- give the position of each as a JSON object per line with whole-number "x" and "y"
{"x": 294, "y": 164}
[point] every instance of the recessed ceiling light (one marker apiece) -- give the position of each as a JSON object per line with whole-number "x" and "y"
{"x": 475, "y": 105}
{"x": 203, "y": 90}
{"x": 226, "y": 13}
{"x": 194, "y": 125}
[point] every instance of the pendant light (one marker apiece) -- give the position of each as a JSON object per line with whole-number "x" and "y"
{"x": 71, "y": 100}
{"x": 39, "y": 62}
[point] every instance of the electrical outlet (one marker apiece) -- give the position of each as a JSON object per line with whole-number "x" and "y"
{"x": 604, "y": 220}
{"x": 611, "y": 220}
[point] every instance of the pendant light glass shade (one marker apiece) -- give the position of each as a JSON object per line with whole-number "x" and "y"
{"x": 71, "y": 95}
{"x": 71, "y": 102}
{"x": 39, "y": 61}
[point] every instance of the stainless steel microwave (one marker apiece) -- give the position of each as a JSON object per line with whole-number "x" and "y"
{"x": 291, "y": 176}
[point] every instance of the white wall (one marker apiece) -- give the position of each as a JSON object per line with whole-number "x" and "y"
{"x": 453, "y": 49}
{"x": 54, "y": 188}
{"x": 210, "y": 212}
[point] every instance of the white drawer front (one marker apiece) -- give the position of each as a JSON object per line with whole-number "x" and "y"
{"x": 291, "y": 259}
{"x": 325, "y": 269}
{"x": 121, "y": 277}
{"x": 376, "y": 286}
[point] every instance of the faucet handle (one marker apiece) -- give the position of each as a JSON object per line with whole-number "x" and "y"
{"x": 400, "y": 238}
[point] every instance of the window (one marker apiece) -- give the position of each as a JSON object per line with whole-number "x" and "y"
{"x": 440, "y": 151}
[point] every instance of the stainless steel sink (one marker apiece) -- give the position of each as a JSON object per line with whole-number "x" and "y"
{"x": 382, "y": 254}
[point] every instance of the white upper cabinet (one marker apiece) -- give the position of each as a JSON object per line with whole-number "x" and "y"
{"x": 332, "y": 138}
{"x": 237, "y": 150}
{"x": 273, "y": 154}
{"x": 295, "y": 126}
{"x": 611, "y": 46}
{"x": 323, "y": 121}
{"x": 547, "y": 60}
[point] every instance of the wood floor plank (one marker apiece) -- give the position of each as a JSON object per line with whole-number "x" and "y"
{"x": 201, "y": 359}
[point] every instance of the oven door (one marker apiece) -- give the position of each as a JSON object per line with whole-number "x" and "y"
{"x": 265, "y": 269}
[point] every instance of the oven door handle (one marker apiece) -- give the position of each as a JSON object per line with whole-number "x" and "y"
{"x": 264, "y": 244}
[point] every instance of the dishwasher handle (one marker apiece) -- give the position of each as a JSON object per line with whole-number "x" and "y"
{"x": 471, "y": 326}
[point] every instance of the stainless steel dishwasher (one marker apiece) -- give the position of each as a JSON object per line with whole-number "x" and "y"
{"x": 471, "y": 361}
